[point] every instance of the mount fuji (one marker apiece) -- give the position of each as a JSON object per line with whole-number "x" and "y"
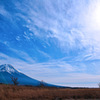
{"x": 7, "y": 71}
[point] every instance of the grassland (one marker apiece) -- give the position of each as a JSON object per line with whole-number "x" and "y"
{"x": 11, "y": 92}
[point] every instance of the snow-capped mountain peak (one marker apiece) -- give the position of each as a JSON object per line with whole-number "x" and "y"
{"x": 7, "y": 68}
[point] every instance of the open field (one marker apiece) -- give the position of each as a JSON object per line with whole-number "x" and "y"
{"x": 11, "y": 92}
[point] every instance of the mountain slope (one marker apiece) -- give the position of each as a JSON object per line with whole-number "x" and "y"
{"x": 7, "y": 71}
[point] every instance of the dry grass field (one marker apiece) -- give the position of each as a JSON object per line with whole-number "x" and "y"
{"x": 11, "y": 92}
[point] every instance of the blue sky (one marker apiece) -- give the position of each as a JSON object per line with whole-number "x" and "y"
{"x": 52, "y": 40}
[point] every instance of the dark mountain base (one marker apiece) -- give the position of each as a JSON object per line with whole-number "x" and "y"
{"x": 11, "y": 92}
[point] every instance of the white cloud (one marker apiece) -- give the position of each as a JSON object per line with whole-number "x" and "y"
{"x": 3, "y": 11}
{"x": 67, "y": 21}
{"x": 6, "y": 43}
{"x": 18, "y": 38}
{"x": 43, "y": 53}
{"x": 35, "y": 69}
{"x": 55, "y": 71}
{"x": 74, "y": 26}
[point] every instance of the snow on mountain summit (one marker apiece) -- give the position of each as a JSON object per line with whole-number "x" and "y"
{"x": 7, "y": 68}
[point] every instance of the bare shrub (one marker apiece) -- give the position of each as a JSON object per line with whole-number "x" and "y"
{"x": 42, "y": 83}
{"x": 99, "y": 85}
{"x": 15, "y": 80}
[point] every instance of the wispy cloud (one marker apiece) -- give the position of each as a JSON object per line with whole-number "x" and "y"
{"x": 55, "y": 71}
{"x": 75, "y": 27}
{"x": 3, "y": 11}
